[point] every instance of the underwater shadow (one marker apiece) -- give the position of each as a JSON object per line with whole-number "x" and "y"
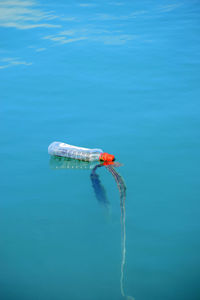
{"x": 57, "y": 162}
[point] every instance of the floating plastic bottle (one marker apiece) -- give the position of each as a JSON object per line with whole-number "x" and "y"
{"x": 62, "y": 149}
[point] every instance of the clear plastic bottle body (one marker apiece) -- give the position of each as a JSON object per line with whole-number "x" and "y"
{"x": 65, "y": 150}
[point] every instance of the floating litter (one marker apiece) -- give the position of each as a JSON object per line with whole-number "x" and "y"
{"x": 86, "y": 154}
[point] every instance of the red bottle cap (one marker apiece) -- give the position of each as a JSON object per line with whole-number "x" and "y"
{"x": 106, "y": 157}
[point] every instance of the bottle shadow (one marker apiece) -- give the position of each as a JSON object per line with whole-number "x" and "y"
{"x": 57, "y": 162}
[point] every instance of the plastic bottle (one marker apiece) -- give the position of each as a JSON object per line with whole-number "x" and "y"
{"x": 62, "y": 149}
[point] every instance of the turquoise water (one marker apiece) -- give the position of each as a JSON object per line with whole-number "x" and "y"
{"x": 124, "y": 77}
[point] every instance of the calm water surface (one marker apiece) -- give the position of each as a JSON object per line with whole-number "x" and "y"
{"x": 122, "y": 76}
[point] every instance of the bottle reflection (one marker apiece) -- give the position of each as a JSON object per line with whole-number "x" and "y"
{"x": 59, "y": 162}
{"x": 100, "y": 193}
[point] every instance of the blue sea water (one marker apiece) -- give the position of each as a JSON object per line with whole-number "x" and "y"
{"x": 123, "y": 76}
